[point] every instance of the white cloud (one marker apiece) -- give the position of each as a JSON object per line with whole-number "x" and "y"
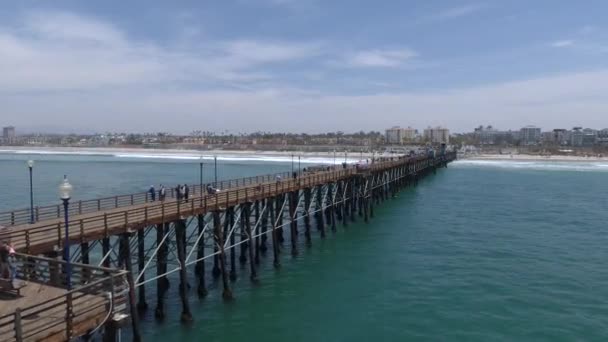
{"x": 53, "y": 51}
{"x": 562, "y": 43}
{"x": 381, "y": 58}
{"x": 553, "y": 101}
{"x": 456, "y": 12}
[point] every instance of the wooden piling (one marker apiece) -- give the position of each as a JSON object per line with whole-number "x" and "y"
{"x": 292, "y": 224}
{"x": 319, "y": 215}
{"x": 180, "y": 239}
{"x": 200, "y": 254}
{"x": 307, "y": 203}
{"x": 125, "y": 260}
{"x": 142, "y": 305}
{"x": 275, "y": 240}
{"x": 218, "y": 236}
{"x": 252, "y": 271}
{"x": 228, "y": 224}
{"x": 161, "y": 268}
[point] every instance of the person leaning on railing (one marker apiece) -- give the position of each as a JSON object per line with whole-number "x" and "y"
{"x": 8, "y": 269}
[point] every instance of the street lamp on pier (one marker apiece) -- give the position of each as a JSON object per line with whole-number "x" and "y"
{"x": 65, "y": 193}
{"x": 30, "y": 165}
{"x": 201, "y": 175}
{"x": 215, "y": 167}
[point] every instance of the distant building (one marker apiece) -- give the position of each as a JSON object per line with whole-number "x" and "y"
{"x": 398, "y": 135}
{"x": 437, "y": 135}
{"x": 529, "y": 135}
{"x": 8, "y": 135}
{"x": 485, "y": 135}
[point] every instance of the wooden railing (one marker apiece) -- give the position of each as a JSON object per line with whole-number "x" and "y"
{"x": 97, "y": 293}
{"x": 41, "y": 213}
{"x": 90, "y": 227}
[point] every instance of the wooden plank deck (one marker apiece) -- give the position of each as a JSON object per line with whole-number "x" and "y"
{"x": 48, "y": 321}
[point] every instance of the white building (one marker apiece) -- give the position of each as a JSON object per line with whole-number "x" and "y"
{"x": 529, "y": 135}
{"x": 437, "y": 135}
{"x": 398, "y": 135}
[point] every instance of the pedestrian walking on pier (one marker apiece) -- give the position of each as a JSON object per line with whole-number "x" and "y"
{"x": 162, "y": 193}
{"x": 152, "y": 192}
{"x": 186, "y": 192}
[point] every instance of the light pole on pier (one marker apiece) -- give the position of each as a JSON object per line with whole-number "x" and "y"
{"x": 299, "y": 165}
{"x": 292, "y": 163}
{"x": 215, "y": 168}
{"x": 201, "y": 175}
{"x": 65, "y": 193}
{"x": 30, "y": 165}
{"x": 334, "y": 157}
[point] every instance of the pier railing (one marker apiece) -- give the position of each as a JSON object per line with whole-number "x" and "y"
{"x": 41, "y": 213}
{"x": 42, "y": 237}
{"x": 54, "y": 312}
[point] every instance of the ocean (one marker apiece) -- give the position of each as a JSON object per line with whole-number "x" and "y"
{"x": 481, "y": 251}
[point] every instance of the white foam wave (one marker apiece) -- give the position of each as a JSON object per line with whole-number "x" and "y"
{"x": 155, "y": 155}
{"x": 590, "y": 166}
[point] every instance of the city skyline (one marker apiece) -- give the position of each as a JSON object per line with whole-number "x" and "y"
{"x": 293, "y": 66}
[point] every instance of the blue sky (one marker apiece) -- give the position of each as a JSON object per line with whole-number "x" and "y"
{"x": 302, "y": 65}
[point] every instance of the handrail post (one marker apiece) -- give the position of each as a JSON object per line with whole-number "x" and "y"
{"x": 69, "y": 316}
{"x": 17, "y": 324}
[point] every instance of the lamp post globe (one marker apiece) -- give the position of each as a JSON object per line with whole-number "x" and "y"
{"x": 65, "y": 193}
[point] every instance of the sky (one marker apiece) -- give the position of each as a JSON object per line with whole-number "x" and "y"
{"x": 241, "y": 66}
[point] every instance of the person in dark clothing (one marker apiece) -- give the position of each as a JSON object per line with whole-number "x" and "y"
{"x": 295, "y": 175}
{"x": 178, "y": 192}
{"x": 186, "y": 192}
{"x": 152, "y": 192}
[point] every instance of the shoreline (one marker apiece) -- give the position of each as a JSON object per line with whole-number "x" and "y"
{"x": 532, "y": 158}
{"x": 184, "y": 153}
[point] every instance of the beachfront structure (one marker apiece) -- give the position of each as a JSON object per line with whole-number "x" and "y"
{"x": 398, "y": 135}
{"x": 529, "y": 135}
{"x": 437, "y": 135}
{"x": 8, "y": 135}
{"x": 255, "y": 217}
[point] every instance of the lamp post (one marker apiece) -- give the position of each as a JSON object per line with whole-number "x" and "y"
{"x": 334, "y": 157}
{"x": 345, "y": 156}
{"x": 30, "y": 165}
{"x": 201, "y": 174}
{"x": 65, "y": 192}
{"x": 299, "y": 165}
{"x": 292, "y": 163}
{"x": 215, "y": 166}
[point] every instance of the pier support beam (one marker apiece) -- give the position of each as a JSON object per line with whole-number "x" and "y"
{"x": 125, "y": 260}
{"x": 228, "y": 224}
{"x": 257, "y": 238}
{"x": 200, "y": 254}
{"x": 307, "y": 203}
{"x": 180, "y": 239}
{"x": 161, "y": 268}
{"x": 266, "y": 203}
{"x": 293, "y": 202}
{"x": 218, "y": 236}
{"x": 252, "y": 273}
{"x": 142, "y": 305}
{"x": 275, "y": 242}
{"x": 319, "y": 216}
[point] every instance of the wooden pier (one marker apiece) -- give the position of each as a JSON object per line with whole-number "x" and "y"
{"x": 247, "y": 218}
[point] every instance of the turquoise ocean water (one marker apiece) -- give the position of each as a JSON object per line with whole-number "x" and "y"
{"x": 481, "y": 251}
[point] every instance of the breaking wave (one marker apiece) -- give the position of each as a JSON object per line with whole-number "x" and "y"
{"x": 581, "y": 166}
